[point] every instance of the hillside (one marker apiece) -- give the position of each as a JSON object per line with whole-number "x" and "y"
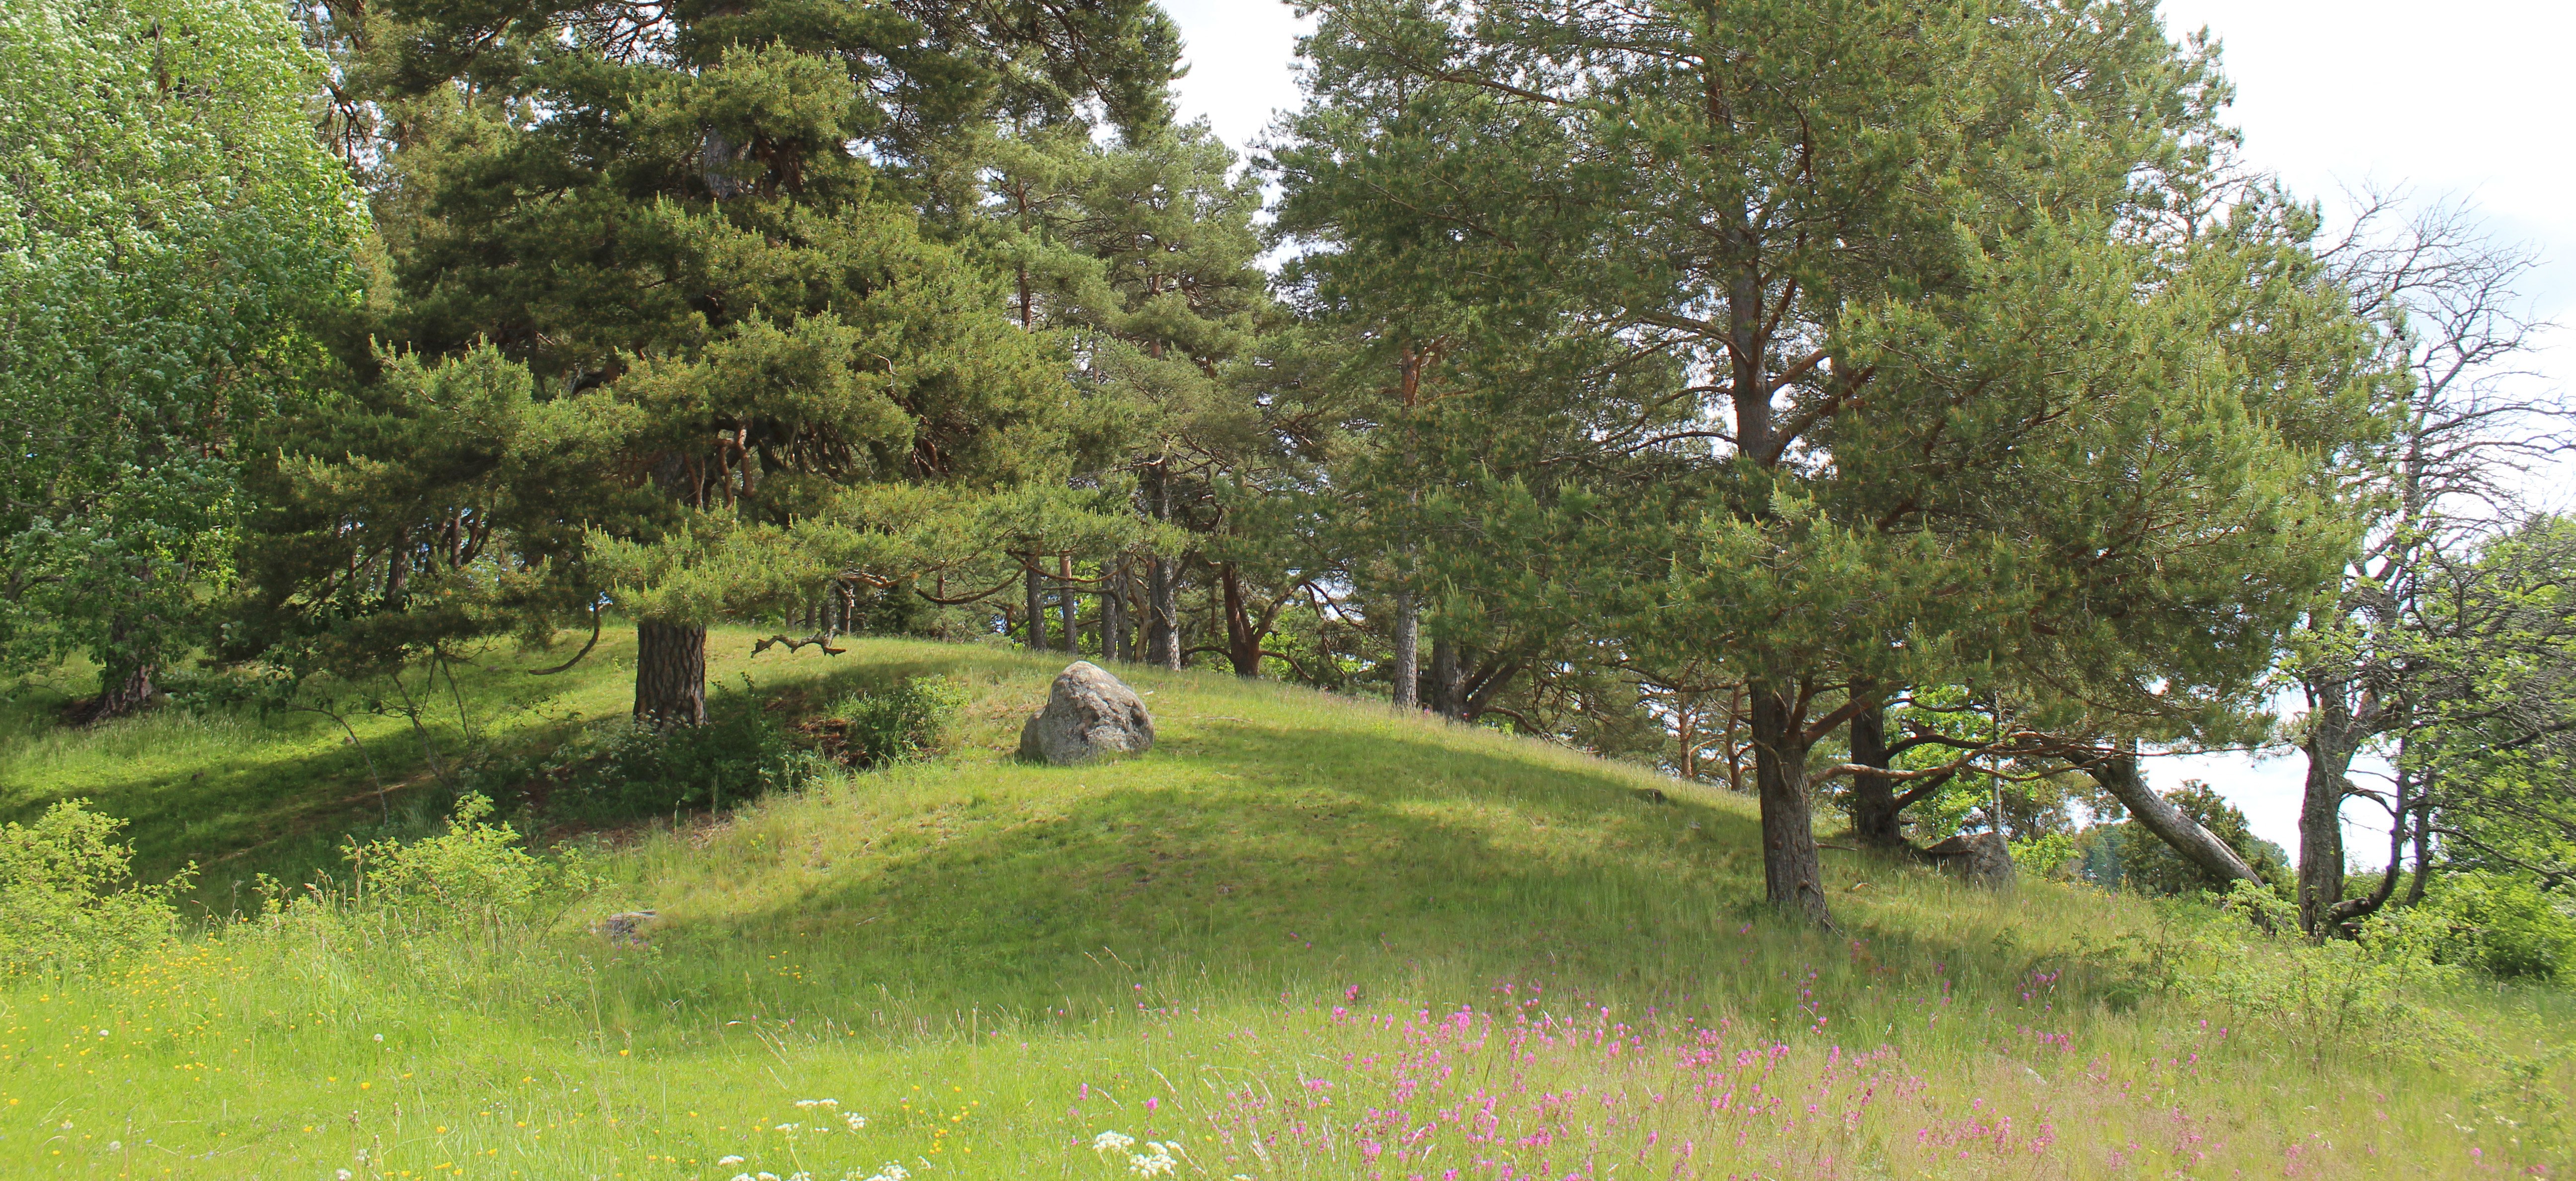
{"x": 1305, "y": 937}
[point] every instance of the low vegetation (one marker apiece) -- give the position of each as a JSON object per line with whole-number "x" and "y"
{"x": 1305, "y": 937}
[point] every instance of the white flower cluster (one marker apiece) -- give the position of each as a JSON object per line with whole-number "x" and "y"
{"x": 1158, "y": 1163}
{"x": 855, "y": 1120}
{"x": 1160, "y": 1159}
{"x": 891, "y": 1172}
{"x": 818, "y": 1103}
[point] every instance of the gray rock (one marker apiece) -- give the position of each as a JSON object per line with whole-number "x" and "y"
{"x": 1979, "y": 858}
{"x": 1089, "y": 714}
{"x": 626, "y": 928}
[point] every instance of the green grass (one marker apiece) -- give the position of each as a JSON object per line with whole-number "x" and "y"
{"x": 1371, "y": 945}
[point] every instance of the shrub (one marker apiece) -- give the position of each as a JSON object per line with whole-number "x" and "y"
{"x": 477, "y": 871}
{"x": 620, "y": 769}
{"x": 2504, "y": 926}
{"x": 67, "y": 898}
{"x": 872, "y": 729}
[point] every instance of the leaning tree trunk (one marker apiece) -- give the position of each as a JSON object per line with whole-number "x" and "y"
{"x": 2119, "y": 776}
{"x": 1876, "y": 820}
{"x": 670, "y": 674}
{"x": 1408, "y": 652}
{"x": 1793, "y": 875}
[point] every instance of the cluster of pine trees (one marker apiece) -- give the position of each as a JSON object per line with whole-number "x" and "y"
{"x": 1910, "y": 407}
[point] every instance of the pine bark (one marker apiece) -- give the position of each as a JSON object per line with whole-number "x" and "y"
{"x": 1065, "y": 604}
{"x": 1876, "y": 822}
{"x": 2119, "y": 776}
{"x": 1163, "y": 614}
{"x": 1448, "y": 685}
{"x": 1793, "y": 873}
{"x": 670, "y": 674}
{"x": 2329, "y": 748}
{"x": 1037, "y": 610}
{"x": 1407, "y": 672}
{"x": 1242, "y": 643}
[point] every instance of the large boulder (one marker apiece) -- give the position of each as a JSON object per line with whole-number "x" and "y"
{"x": 1088, "y": 715}
{"x": 1979, "y": 858}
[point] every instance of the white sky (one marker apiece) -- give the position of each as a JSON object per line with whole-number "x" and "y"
{"x": 2471, "y": 99}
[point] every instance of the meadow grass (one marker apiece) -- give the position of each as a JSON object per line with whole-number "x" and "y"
{"x": 1304, "y": 938}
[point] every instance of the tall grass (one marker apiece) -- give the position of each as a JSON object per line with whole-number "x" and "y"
{"x": 1303, "y": 938}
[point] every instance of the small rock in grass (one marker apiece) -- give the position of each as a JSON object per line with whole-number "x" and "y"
{"x": 1089, "y": 714}
{"x": 626, "y": 928}
{"x": 1980, "y": 858}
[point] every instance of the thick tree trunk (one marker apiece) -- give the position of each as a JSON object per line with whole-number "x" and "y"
{"x": 1407, "y": 673}
{"x": 2119, "y": 776}
{"x": 670, "y": 674}
{"x": 1448, "y": 683}
{"x": 1793, "y": 875}
{"x": 2329, "y": 748}
{"x": 124, "y": 688}
{"x": 1242, "y": 643}
{"x": 1876, "y": 820}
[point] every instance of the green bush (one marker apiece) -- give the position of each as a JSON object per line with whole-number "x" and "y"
{"x": 620, "y": 769}
{"x": 2505, "y": 926}
{"x": 477, "y": 870}
{"x": 872, "y": 729}
{"x": 67, "y": 898}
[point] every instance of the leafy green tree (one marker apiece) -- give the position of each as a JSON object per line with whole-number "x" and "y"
{"x": 1953, "y": 370}
{"x": 168, "y": 222}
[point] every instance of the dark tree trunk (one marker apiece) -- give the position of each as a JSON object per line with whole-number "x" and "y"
{"x": 670, "y": 674}
{"x": 1876, "y": 820}
{"x": 1162, "y": 614}
{"x": 1037, "y": 610}
{"x": 1448, "y": 683}
{"x": 1407, "y": 673}
{"x": 1114, "y": 642}
{"x": 124, "y": 689}
{"x": 1793, "y": 875}
{"x": 1242, "y": 642}
{"x": 2329, "y": 749}
{"x": 1064, "y": 604}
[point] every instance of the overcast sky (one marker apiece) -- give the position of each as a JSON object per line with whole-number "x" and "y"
{"x": 2469, "y": 100}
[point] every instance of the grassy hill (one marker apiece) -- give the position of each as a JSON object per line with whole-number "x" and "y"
{"x": 1304, "y": 938}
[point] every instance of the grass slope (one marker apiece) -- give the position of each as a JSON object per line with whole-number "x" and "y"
{"x": 1303, "y": 938}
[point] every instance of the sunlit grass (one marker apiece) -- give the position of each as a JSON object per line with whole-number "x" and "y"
{"x": 1303, "y": 938}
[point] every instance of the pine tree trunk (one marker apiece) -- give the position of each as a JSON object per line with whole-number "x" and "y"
{"x": 2329, "y": 751}
{"x": 2119, "y": 776}
{"x": 124, "y": 688}
{"x": 1793, "y": 874}
{"x": 1407, "y": 672}
{"x": 1064, "y": 604}
{"x": 1113, "y": 611}
{"x": 1163, "y": 614}
{"x": 1448, "y": 689}
{"x": 670, "y": 674}
{"x": 1242, "y": 647}
{"x": 1037, "y": 610}
{"x": 1875, "y": 821}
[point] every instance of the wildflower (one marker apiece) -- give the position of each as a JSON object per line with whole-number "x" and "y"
{"x": 380, "y": 1037}
{"x": 855, "y": 1120}
{"x": 1157, "y": 1163}
{"x": 342, "y": 1175}
{"x": 728, "y": 1160}
{"x": 1111, "y": 1142}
